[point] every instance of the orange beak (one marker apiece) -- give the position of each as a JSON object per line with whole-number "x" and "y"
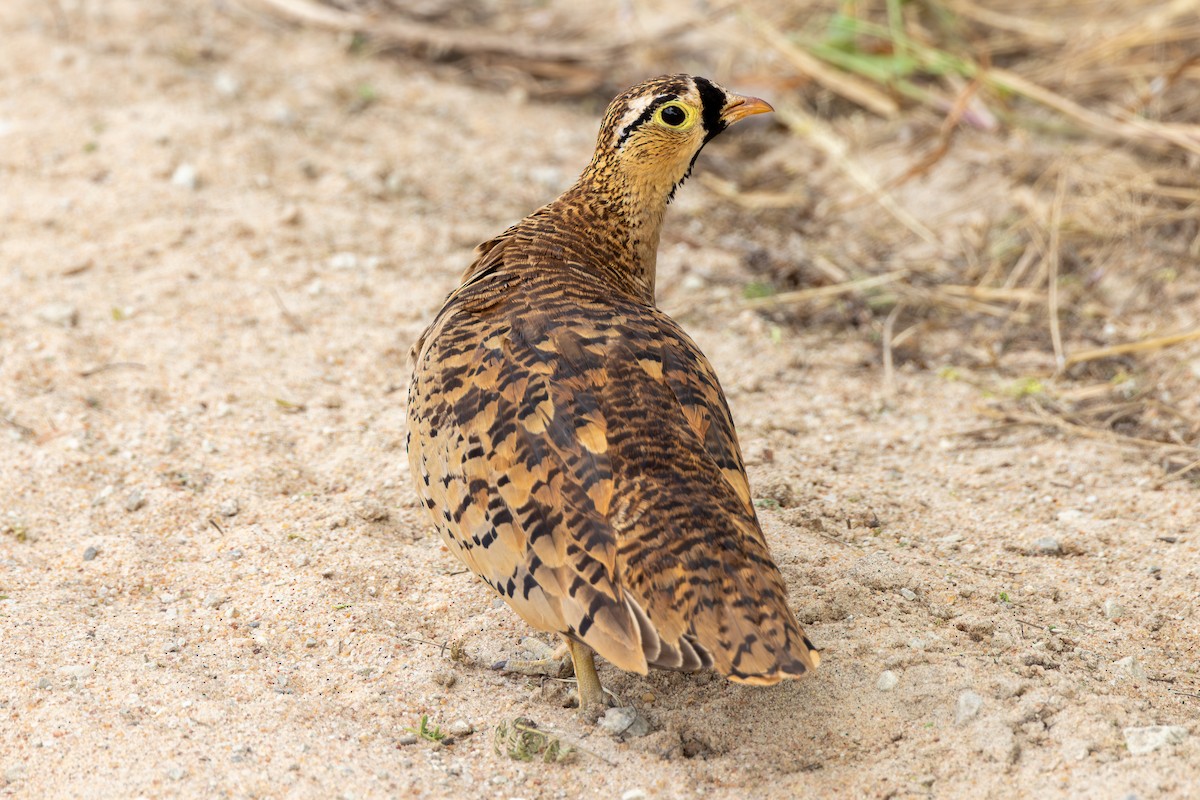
{"x": 738, "y": 107}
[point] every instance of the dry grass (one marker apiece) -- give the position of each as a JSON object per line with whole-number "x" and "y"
{"x": 1077, "y": 272}
{"x": 1006, "y": 189}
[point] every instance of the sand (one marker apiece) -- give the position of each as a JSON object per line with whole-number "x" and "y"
{"x": 218, "y": 239}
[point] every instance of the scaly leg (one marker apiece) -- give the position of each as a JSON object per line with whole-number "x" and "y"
{"x": 591, "y": 694}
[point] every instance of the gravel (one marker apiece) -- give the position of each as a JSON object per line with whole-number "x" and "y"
{"x": 887, "y": 681}
{"x": 90, "y": 553}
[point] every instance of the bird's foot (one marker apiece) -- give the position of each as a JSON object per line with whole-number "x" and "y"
{"x": 535, "y": 657}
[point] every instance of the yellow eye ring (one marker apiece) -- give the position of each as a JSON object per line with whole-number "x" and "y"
{"x": 676, "y": 115}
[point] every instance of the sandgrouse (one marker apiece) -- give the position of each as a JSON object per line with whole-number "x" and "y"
{"x": 572, "y": 443}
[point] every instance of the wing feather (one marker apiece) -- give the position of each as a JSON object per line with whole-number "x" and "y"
{"x": 587, "y": 468}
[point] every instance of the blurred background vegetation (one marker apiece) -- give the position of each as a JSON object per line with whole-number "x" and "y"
{"x": 1004, "y": 192}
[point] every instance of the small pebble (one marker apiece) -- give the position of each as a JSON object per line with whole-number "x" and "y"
{"x": 229, "y": 508}
{"x": 887, "y": 681}
{"x": 135, "y": 500}
{"x": 90, "y": 553}
{"x": 407, "y": 738}
{"x": 1130, "y": 667}
{"x": 75, "y": 671}
{"x": 460, "y": 727}
{"x": 969, "y": 704}
{"x": 624, "y": 721}
{"x": 185, "y": 177}
{"x": 227, "y": 84}
{"x": 908, "y": 594}
{"x": 215, "y": 601}
{"x": 44, "y": 683}
{"x": 343, "y": 261}
{"x": 634, "y": 794}
{"x": 14, "y": 774}
{"x": 64, "y": 315}
{"x": 1151, "y": 738}
{"x": 1113, "y": 610}
{"x": 1047, "y": 546}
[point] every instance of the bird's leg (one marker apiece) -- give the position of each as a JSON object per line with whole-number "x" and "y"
{"x": 591, "y": 693}
{"x": 543, "y": 660}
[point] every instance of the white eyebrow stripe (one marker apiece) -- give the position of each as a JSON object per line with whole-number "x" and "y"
{"x": 635, "y": 110}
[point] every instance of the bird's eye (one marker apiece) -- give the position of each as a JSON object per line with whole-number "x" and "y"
{"x": 676, "y": 115}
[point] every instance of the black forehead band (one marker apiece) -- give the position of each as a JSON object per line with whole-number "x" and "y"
{"x": 712, "y": 100}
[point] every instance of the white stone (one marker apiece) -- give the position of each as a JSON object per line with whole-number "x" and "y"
{"x": 1130, "y": 667}
{"x": 624, "y": 721}
{"x": 887, "y": 681}
{"x": 64, "y": 315}
{"x": 185, "y": 177}
{"x": 1113, "y": 609}
{"x": 1151, "y": 738}
{"x": 969, "y": 704}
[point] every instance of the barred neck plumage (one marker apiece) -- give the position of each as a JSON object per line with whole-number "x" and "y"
{"x": 622, "y": 222}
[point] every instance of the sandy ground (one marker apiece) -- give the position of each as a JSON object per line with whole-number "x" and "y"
{"x": 214, "y": 580}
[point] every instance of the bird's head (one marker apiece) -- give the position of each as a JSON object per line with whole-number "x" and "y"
{"x": 653, "y": 132}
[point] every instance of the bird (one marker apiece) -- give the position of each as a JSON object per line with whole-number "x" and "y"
{"x": 572, "y": 443}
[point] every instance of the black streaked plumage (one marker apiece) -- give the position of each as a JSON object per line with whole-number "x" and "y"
{"x": 573, "y": 444}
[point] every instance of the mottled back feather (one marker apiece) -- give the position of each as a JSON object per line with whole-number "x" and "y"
{"x": 573, "y": 444}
